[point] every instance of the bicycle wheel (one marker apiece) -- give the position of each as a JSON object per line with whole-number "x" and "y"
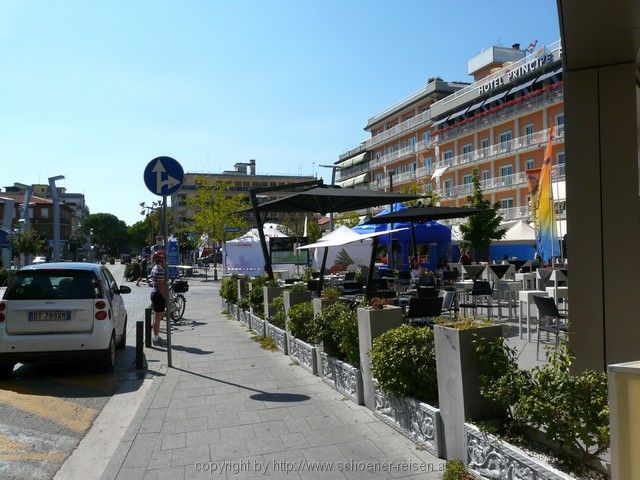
{"x": 177, "y": 307}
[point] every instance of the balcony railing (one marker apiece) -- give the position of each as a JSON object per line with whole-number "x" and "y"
{"x": 503, "y": 115}
{"x": 346, "y": 173}
{"x": 399, "y": 154}
{"x": 517, "y": 145}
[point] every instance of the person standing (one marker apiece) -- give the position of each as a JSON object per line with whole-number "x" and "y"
{"x": 143, "y": 273}
{"x": 158, "y": 282}
{"x": 464, "y": 257}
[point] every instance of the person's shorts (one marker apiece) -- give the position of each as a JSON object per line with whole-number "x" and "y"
{"x": 158, "y": 302}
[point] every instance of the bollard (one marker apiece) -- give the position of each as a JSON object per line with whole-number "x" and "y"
{"x": 139, "y": 351}
{"x": 147, "y": 327}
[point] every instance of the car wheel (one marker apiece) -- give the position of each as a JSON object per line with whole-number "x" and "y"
{"x": 123, "y": 339}
{"x": 6, "y": 369}
{"x": 109, "y": 355}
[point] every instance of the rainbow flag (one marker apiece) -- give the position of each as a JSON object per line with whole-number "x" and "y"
{"x": 545, "y": 215}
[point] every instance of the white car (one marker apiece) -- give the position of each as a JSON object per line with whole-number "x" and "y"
{"x": 61, "y": 312}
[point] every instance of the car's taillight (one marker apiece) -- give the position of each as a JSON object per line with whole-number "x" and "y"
{"x": 101, "y": 313}
{"x": 3, "y": 307}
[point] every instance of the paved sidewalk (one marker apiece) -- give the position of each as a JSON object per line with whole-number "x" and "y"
{"x": 229, "y": 409}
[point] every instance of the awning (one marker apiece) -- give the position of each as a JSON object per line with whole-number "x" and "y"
{"x": 439, "y": 171}
{"x": 457, "y": 114}
{"x": 519, "y": 88}
{"x": 439, "y": 122}
{"x": 353, "y": 181}
{"x": 496, "y": 97}
{"x": 544, "y": 76}
{"x": 340, "y": 241}
{"x": 364, "y": 156}
{"x": 475, "y": 106}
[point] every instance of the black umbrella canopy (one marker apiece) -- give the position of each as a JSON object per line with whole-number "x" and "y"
{"x": 424, "y": 214}
{"x": 331, "y": 199}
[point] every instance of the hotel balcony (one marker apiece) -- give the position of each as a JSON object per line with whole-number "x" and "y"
{"x": 526, "y": 143}
{"x": 411, "y": 150}
{"x": 401, "y": 178}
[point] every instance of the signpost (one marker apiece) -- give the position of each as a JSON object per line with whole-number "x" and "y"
{"x": 163, "y": 176}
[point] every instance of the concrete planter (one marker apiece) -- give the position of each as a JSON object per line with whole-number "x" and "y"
{"x": 371, "y": 324}
{"x": 258, "y": 325}
{"x": 321, "y": 303}
{"x": 294, "y": 298}
{"x": 303, "y": 353}
{"x": 233, "y": 310}
{"x": 243, "y": 287}
{"x": 345, "y": 378}
{"x": 269, "y": 293}
{"x": 459, "y": 395}
{"x": 415, "y": 420}
{"x": 489, "y": 457}
{"x": 279, "y": 337}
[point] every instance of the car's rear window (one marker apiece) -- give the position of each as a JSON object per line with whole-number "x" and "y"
{"x": 53, "y": 284}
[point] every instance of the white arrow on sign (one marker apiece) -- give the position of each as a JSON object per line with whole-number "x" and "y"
{"x": 158, "y": 169}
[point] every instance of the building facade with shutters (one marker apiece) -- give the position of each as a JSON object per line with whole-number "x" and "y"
{"x": 499, "y": 123}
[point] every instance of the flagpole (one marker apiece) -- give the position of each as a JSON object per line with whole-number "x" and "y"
{"x": 553, "y": 205}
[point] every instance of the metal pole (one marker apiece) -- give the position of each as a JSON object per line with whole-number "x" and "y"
{"x": 322, "y": 268}
{"x": 56, "y": 217}
{"x": 139, "y": 350}
{"x": 147, "y": 327}
{"x": 333, "y": 181}
{"x": 165, "y": 232}
{"x": 263, "y": 241}
{"x": 372, "y": 266}
{"x": 391, "y": 259}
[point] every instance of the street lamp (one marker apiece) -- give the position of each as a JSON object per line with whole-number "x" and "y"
{"x": 333, "y": 181}
{"x": 56, "y": 216}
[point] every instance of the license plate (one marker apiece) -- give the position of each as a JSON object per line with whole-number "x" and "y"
{"x": 49, "y": 316}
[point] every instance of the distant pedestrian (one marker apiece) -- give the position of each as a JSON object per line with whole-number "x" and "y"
{"x": 464, "y": 257}
{"x": 143, "y": 271}
{"x": 158, "y": 282}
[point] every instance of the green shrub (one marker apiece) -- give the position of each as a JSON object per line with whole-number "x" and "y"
{"x": 256, "y": 295}
{"x": 298, "y": 287}
{"x": 331, "y": 293}
{"x": 277, "y": 318}
{"x": 404, "y": 363}
{"x": 572, "y": 410}
{"x": 229, "y": 290}
{"x": 455, "y": 471}
{"x": 337, "y": 328}
{"x": 301, "y": 322}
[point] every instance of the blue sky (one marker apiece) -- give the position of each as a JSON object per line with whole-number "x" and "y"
{"x": 95, "y": 90}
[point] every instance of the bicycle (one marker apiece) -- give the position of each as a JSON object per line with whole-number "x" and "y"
{"x": 177, "y": 299}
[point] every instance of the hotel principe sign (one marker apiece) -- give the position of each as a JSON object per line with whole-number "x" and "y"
{"x": 517, "y": 72}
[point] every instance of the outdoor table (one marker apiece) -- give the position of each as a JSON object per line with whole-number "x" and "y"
{"x": 185, "y": 270}
{"x": 526, "y": 296}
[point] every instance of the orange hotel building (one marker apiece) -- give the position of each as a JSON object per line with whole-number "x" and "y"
{"x": 499, "y": 123}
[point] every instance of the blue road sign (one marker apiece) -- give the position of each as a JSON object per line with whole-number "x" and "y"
{"x": 173, "y": 257}
{"x": 231, "y": 229}
{"x": 163, "y": 176}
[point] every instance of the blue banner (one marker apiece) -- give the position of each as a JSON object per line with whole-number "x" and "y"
{"x": 173, "y": 257}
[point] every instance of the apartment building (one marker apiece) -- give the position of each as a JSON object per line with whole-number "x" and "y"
{"x": 499, "y": 123}
{"x": 242, "y": 178}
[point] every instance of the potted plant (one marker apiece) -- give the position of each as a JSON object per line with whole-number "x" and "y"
{"x": 339, "y": 355}
{"x": 458, "y": 367}
{"x": 404, "y": 367}
{"x": 270, "y": 291}
{"x": 330, "y": 295}
{"x": 303, "y": 333}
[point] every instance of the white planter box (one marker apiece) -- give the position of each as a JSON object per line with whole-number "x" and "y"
{"x": 279, "y": 337}
{"x": 258, "y": 325}
{"x": 416, "y": 420}
{"x": 233, "y": 310}
{"x": 345, "y": 378}
{"x": 491, "y": 458}
{"x": 268, "y": 294}
{"x": 303, "y": 353}
{"x": 245, "y": 317}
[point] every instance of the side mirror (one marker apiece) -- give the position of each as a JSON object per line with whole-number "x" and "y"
{"x": 124, "y": 289}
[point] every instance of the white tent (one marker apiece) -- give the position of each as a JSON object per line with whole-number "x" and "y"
{"x": 347, "y": 250}
{"x": 520, "y": 232}
{"x": 243, "y": 255}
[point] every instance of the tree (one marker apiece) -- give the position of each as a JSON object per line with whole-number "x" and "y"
{"x": 428, "y": 198}
{"x": 28, "y": 242}
{"x": 480, "y": 229}
{"x": 214, "y": 209}
{"x": 348, "y": 219}
{"x": 110, "y": 233}
{"x": 294, "y": 227}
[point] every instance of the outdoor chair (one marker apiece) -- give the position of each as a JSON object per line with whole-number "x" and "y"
{"x": 422, "y": 310}
{"x": 427, "y": 292}
{"x": 449, "y": 277}
{"x": 449, "y": 301}
{"x": 480, "y": 296}
{"x": 550, "y": 320}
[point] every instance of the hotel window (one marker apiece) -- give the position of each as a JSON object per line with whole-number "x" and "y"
{"x": 506, "y": 171}
{"x": 377, "y": 155}
{"x": 447, "y": 157}
{"x": 427, "y": 164}
{"x": 44, "y": 212}
{"x": 412, "y": 168}
{"x": 388, "y": 150}
{"x": 426, "y": 138}
{"x": 484, "y": 145}
{"x": 403, "y": 168}
{"x": 528, "y": 131}
{"x": 506, "y": 203}
{"x": 560, "y": 125}
{"x": 412, "y": 143}
{"x": 505, "y": 141}
{"x": 560, "y": 158}
{"x": 560, "y": 171}
{"x": 448, "y": 187}
{"x": 403, "y": 144}
{"x": 529, "y": 163}
{"x": 486, "y": 175}
{"x": 466, "y": 179}
{"x": 466, "y": 151}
